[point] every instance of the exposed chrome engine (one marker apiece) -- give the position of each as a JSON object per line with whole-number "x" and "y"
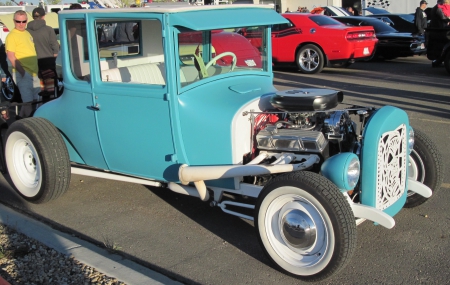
{"x": 317, "y": 128}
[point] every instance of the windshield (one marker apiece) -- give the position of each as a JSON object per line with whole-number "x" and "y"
{"x": 205, "y": 54}
{"x": 379, "y": 26}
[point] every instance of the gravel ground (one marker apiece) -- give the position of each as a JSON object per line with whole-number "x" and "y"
{"x": 25, "y": 261}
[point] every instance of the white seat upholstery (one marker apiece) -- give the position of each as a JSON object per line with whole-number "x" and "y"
{"x": 149, "y": 73}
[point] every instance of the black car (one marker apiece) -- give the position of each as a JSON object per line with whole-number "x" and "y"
{"x": 403, "y": 23}
{"x": 391, "y": 43}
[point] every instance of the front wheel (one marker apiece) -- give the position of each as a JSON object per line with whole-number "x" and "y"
{"x": 37, "y": 160}
{"x": 425, "y": 166}
{"x": 305, "y": 225}
{"x": 310, "y": 59}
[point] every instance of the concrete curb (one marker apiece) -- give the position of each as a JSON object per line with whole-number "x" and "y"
{"x": 112, "y": 265}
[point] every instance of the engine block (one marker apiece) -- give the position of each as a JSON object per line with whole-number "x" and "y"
{"x": 291, "y": 139}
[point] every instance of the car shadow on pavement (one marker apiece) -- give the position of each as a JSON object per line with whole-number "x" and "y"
{"x": 235, "y": 231}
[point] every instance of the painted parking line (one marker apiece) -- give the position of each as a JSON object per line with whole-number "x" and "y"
{"x": 445, "y": 185}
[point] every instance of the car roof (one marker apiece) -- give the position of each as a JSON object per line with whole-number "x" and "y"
{"x": 376, "y": 23}
{"x": 164, "y": 8}
{"x": 376, "y": 11}
{"x": 194, "y": 17}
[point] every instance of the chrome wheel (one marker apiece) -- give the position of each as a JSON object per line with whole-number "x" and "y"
{"x": 309, "y": 60}
{"x": 299, "y": 233}
{"x": 305, "y": 225}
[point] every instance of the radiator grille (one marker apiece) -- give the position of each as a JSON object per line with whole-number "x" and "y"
{"x": 391, "y": 167}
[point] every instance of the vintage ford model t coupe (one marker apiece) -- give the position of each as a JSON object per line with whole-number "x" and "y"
{"x": 175, "y": 107}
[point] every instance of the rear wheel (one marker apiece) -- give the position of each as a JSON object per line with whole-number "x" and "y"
{"x": 425, "y": 166}
{"x": 310, "y": 59}
{"x": 305, "y": 225}
{"x": 37, "y": 160}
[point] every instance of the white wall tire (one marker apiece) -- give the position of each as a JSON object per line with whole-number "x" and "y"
{"x": 425, "y": 165}
{"x": 37, "y": 160}
{"x": 305, "y": 225}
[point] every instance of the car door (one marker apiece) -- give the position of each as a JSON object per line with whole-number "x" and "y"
{"x": 130, "y": 102}
{"x": 284, "y": 39}
{"x": 70, "y": 113}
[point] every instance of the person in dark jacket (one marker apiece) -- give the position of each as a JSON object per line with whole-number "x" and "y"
{"x": 47, "y": 48}
{"x": 438, "y": 19}
{"x": 420, "y": 18}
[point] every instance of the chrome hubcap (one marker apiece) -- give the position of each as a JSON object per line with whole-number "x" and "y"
{"x": 309, "y": 60}
{"x": 298, "y": 230}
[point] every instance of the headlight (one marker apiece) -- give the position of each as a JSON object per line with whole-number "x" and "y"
{"x": 353, "y": 172}
{"x": 411, "y": 140}
{"x": 343, "y": 170}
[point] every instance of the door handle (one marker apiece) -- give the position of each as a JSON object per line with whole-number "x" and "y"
{"x": 94, "y": 108}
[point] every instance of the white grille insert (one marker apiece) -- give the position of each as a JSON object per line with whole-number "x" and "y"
{"x": 391, "y": 167}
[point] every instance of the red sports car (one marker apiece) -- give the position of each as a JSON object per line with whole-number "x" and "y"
{"x": 311, "y": 41}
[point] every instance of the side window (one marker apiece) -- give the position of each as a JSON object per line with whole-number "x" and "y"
{"x": 78, "y": 51}
{"x": 127, "y": 56}
{"x": 281, "y": 27}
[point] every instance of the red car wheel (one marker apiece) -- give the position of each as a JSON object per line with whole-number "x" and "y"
{"x": 310, "y": 59}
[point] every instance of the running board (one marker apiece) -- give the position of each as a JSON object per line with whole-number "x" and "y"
{"x": 112, "y": 176}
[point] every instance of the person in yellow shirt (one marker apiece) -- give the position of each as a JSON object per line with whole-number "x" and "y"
{"x": 21, "y": 53}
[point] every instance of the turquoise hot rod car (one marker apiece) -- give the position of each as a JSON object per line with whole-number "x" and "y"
{"x": 168, "y": 110}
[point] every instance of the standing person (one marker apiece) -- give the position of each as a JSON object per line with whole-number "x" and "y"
{"x": 445, "y": 7}
{"x": 438, "y": 19}
{"x": 287, "y": 10}
{"x": 47, "y": 49}
{"x": 350, "y": 10}
{"x": 124, "y": 32}
{"x": 21, "y": 53}
{"x": 420, "y": 18}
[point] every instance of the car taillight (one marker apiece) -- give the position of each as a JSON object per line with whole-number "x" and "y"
{"x": 5, "y": 29}
{"x": 360, "y": 35}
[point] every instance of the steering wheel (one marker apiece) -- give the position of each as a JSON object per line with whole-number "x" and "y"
{"x": 227, "y": 53}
